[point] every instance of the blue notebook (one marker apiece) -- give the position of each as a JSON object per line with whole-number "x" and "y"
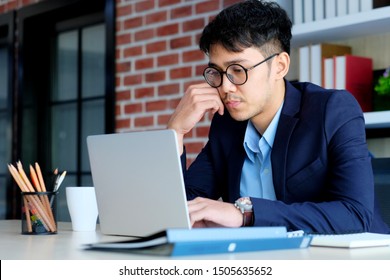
{"x": 199, "y": 241}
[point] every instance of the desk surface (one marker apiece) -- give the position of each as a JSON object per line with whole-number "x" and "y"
{"x": 67, "y": 245}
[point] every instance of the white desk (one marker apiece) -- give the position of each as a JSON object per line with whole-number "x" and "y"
{"x": 66, "y": 245}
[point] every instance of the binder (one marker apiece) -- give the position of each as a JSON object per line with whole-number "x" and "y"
{"x": 355, "y": 74}
{"x": 200, "y": 241}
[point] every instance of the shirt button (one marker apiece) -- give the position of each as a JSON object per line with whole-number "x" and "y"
{"x": 266, "y": 171}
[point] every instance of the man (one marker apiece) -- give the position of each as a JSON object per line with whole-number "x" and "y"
{"x": 279, "y": 153}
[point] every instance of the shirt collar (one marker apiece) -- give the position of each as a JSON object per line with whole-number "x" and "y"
{"x": 252, "y": 136}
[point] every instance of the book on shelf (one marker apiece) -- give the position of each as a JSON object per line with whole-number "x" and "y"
{"x": 352, "y": 240}
{"x": 353, "y": 6}
{"x": 319, "y": 10}
{"x": 366, "y": 5}
{"x": 355, "y": 74}
{"x": 341, "y": 8}
{"x": 328, "y": 73}
{"x": 319, "y": 52}
{"x": 199, "y": 241}
{"x": 304, "y": 64}
{"x": 330, "y": 8}
{"x": 298, "y": 11}
{"x": 311, "y": 60}
{"x": 308, "y": 12}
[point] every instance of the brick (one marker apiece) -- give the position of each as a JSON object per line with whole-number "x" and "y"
{"x": 181, "y": 12}
{"x": 123, "y": 39}
{"x": 194, "y": 55}
{"x": 124, "y": 10}
{"x": 118, "y": 110}
{"x": 182, "y": 72}
{"x": 144, "y": 92}
{"x": 155, "y": 76}
{"x": 181, "y": 42}
{"x": 166, "y": 30}
{"x": 132, "y": 51}
{"x": 144, "y": 63}
{"x": 156, "y": 47}
{"x": 156, "y": 17}
{"x": 168, "y": 59}
{"x": 144, "y": 5}
{"x": 118, "y": 81}
{"x": 132, "y": 23}
{"x": 123, "y": 67}
{"x": 133, "y": 108}
{"x": 192, "y": 25}
{"x": 125, "y": 123}
{"x": 144, "y": 34}
{"x": 132, "y": 80}
{"x": 168, "y": 89}
{"x": 143, "y": 121}
{"x": 159, "y": 105}
{"x": 163, "y": 3}
{"x": 207, "y": 6}
{"x": 122, "y": 95}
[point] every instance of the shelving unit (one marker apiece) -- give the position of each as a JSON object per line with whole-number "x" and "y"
{"x": 376, "y": 21}
{"x": 379, "y": 119}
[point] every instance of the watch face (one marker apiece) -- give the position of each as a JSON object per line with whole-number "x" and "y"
{"x": 247, "y": 207}
{"x": 244, "y": 204}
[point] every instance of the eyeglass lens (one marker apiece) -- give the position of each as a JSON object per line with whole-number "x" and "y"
{"x": 235, "y": 73}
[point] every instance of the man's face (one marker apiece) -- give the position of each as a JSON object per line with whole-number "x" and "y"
{"x": 256, "y": 97}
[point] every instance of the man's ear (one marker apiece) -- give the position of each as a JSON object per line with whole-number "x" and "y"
{"x": 283, "y": 65}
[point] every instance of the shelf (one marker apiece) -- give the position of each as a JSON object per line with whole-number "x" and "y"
{"x": 380, "y": 119}
{"x": 375, "y": 21}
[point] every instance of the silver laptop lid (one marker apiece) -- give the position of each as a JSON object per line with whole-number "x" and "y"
{"x": 138, "y": 181}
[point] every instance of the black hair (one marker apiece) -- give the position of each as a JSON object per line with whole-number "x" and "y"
{"x": 251, "y": 23}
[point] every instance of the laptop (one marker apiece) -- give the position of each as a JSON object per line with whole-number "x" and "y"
{"x": 138, "y": 182}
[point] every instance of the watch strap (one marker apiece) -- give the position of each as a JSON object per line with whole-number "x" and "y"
{"x": 247, "y": 219}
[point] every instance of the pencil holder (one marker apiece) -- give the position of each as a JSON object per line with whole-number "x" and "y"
{"x": 39, "y": 211}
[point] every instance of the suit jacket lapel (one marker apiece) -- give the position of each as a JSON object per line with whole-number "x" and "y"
{"x": 288, "y": 120}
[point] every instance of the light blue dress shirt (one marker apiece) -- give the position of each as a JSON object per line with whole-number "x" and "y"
{"x": 256, "y": 176}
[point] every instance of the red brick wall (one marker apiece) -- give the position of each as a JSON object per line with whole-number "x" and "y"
{"x": 10, "y": 5}
{"x": 157, "y": 57}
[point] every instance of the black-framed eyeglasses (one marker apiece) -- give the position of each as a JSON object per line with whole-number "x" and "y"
{"x": 236, "y": 73}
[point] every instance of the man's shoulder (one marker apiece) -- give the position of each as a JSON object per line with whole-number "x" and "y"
{"x": 315, "y": 92}
{"x": 319, "y": 97}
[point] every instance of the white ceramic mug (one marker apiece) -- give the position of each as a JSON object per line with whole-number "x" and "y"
{"x": 82, "y": 207}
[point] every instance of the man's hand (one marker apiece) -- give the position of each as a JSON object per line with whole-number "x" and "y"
{"x": 196, "y": 102}
{"x": 206, "y": 212}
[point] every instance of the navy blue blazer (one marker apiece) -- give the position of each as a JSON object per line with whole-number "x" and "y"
{"x": 321, "y": 167}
